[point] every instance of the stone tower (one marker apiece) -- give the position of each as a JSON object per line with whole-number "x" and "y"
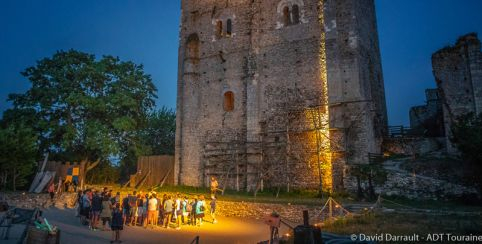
{"x": 277, "y": 93}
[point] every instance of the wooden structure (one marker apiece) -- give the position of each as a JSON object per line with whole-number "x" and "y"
{"x": 153, "y": 171}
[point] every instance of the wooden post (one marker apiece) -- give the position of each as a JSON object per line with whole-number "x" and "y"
{"x": 330, "y": 208}
{"x": 306, "y": 218}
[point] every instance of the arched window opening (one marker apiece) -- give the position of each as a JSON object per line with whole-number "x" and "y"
{"x": 219, "y": 28}
{"x": 286, "y": 16}
{"x": 296, "y": 14}
{"x": 229, "y": 27}
{"x": 228, "y": 101}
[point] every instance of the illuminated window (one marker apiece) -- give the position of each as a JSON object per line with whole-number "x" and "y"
{"x": 295, "y": 13}
{"x": 228, "y": 101}
{"x": 219, "y": 28}
{"x": 229, "y": 27}
{"x": 286, "y": 16}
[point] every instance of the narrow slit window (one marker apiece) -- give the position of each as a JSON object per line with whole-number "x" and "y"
{"x": 228, "y": 101}
{"x": 219, "y": 28}
{"x": 296, "y": 14}
{"x": 286, "y": 16}
{"x": 229, "y": 27}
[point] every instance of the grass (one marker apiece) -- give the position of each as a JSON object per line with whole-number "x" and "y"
{"x": 267, "y": 196}
{"x": 406, "y": 224}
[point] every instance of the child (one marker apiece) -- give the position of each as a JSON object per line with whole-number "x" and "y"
{"x": 117, "y": 223}
{"x": 213, "y": 209}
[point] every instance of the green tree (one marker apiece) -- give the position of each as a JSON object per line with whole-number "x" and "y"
{"x": 158, "y": 138}
{"x": 373, "y": 173}
{"x": 18, "y": 150}
{"x": 467, "y": 136}
{"x": 160, "y": 133}
{"x": 86, "y": 110}
{"x": 105, "y": 173}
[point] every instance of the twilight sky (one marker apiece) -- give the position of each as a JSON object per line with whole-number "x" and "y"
{"x": 146, "y": 31}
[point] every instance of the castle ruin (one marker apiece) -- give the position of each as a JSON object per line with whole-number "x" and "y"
{"x": 277, "y": 93}
{"x": 458, "y": 74}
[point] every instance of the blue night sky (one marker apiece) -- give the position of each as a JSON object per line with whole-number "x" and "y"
{"x": 146, "y": 31}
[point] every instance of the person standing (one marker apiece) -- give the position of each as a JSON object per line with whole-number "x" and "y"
{"x": 145, "y": 206}
{"x": 139, "y": 209}
{"x": 193, "y": 211}
{"x": 117, "y": 224}
{"x": 200, "y": 207}
{"x": 168, "y": 209}
{"x": 133, "y": 208}
{"x": 51, "y": 191}
{"x": 184, "y": 209}
{"x": 106, "y": 213}
{"x": 85, "y": 208}
{"x": 214, "y": 186}
{"x": 213, "y": 209}
{"x": 125, "y": 208}
{"x": 96, "y": 209}
{"x": 151, "y": 211}
{"x": 80, "y": 194}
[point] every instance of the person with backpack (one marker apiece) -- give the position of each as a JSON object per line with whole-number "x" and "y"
{"x": 117, "y": 223}
{"x": 200, "y": 208}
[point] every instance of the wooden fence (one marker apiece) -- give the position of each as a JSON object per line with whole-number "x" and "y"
{"x": 153, "y": 171}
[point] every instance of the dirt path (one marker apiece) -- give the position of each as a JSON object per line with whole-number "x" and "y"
{"x": 227, "y": 230}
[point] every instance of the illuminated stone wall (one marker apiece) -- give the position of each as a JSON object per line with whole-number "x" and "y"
{"x": 326, "y": 60}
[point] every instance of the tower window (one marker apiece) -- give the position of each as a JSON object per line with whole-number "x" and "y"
{"x": 229, "y": 27}
{"x": 229, "y": 101}
{"x": 219, "y": 28}
{"x": 286, "y": 16}
{"x": 295, "y": 13}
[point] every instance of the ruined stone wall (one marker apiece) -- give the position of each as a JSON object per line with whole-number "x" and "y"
{"x": 275, "y": 70}
{"x": 428, "y": 119}
{"x": 458, "y": 73}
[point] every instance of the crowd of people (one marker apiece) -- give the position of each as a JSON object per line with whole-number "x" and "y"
{"x": 107, "y": 211}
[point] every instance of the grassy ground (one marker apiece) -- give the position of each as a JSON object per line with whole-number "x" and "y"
{"x": 267, "y": 196}
{"x": 406, "y": 224}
